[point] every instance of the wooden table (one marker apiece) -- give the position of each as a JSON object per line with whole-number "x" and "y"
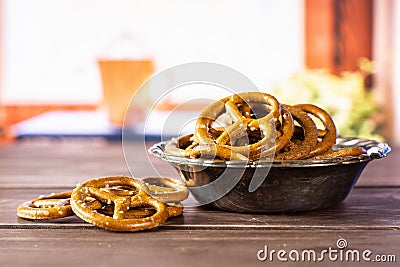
{"x": 368, "y": 219}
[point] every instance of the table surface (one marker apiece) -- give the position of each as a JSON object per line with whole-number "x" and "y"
{"x": 369, "y": 219}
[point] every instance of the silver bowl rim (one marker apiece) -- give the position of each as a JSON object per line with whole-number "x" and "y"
{"x": 374, "y": 150}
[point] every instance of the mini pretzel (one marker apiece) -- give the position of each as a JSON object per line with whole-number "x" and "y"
{"x": 234, "y": 106}
{"x": 98, "y": 189}
{"x": 300, "y": 148}
{"x": 174, "y": 209}
{"x": 166, "y": 190}
{"x": 46, "y": 207}
{"x": 129, "y": 214}
{"x": 284, "y": 132}
{"x": 181, "y": 147}
{"x": 175, "y": 192}
{"x": 341, "y": 152}
{"x": 257, "y": 127}
{"x": 328, "y": 134}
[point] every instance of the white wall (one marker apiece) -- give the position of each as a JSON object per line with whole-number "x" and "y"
{"x": 51, "y": 46}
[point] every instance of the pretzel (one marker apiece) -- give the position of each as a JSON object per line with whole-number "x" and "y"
{"x": 174, "y": 209}
{"x": 284, "y": 132}
{"x": 340, "y": 153}
{"x": 223, "y": 146}
{"x": 298, "y": 149}
{"x": 328, "y": 135}
{"x": 143, "y": 212}
{"x": 249, "y": 133}
{"x": 181, "y": 147}
{"x": 99, "y": 190}
{"x": 166, "y": 190}
{"x": 53, "y": 206}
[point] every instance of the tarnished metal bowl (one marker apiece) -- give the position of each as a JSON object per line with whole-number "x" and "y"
{"x": 288, "y": 186}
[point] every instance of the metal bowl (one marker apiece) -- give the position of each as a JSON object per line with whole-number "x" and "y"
{"x": 287, "y": 186}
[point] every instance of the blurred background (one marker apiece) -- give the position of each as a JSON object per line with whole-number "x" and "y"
{"x": 68, "y": 68}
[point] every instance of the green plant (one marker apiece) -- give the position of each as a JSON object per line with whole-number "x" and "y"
{"x": 344, "y": 96}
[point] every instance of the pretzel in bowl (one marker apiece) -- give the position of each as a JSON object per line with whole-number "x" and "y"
{"x": 247, "y": 112}
{"x": 53, "y": 206}
{"x": 120, "y": 220}
{"x": 302, "y": 147}
{"x": 341, "y": 152}
{"x": 258, "y": 127}
{"x": 327, "y": 135}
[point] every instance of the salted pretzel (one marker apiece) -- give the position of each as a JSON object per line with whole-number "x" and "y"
{"x": 301, "y": 148}
{"x": 52, "y": 206}
{"x": 181, "y": 146}
{"x": 239, "y": 107}
{"x": 136, "y": 198}
{"x": 256, "y": 126}
{"x": 284, "y": 133}
{"x": 327, "y": 135}
{"x": 165, "y": 189}
{"x": 174, "y": 209}
{"x": 340, "y": 153}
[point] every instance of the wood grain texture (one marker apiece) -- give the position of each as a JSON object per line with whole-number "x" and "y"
{"x": 368, "y": 219}
{"x": 44, "y": 247}
{"x": 65, "y": 165}
{"x": 365, "y": 208}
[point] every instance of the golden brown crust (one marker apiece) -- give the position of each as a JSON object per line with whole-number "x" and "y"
{"x": 250, "y": 138}
{"x": 53, "y": 206}
{"x": 165, "y": 189}
{"x": 97, "y": 189}
{"x": 298, "y": 150}
{"x": 341, "y": 152}
{"x": 116, "y": 203}
{"x": 175, "y": 209}
{"x": 237, "y": 107}
{"x": 328, "y": 135}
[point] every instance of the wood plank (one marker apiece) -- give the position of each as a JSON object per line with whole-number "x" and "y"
{"x": 65, "y": 165}
{"x": 368, "y": 219}
{"x": 365, "y": 208}
{"x": 382, "y": 172}
{"x": 92, "y": 247}
{"x": 44, "y": 166}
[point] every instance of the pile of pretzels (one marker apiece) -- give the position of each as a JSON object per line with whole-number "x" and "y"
{"x": 116, "y": 203}
{"x": 254, "y": 126}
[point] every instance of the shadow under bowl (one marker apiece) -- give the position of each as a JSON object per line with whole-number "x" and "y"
{"x": 287, "y": 186}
